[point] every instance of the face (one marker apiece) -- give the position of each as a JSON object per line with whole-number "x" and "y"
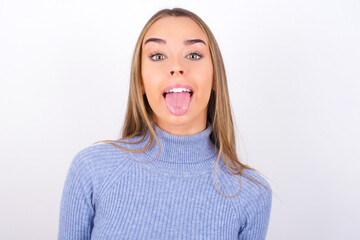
{"x": 177, "y": 74}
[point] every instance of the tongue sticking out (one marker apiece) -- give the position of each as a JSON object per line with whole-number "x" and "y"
{"x": 178, "y": 102}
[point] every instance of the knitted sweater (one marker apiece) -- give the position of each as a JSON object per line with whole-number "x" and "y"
{"x": 113, "y": 194}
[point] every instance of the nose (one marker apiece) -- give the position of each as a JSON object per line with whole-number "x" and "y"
{"x": 173, "y": 72}
{"x": 176, "y": 67}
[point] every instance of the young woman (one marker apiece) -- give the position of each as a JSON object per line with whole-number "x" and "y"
{"x": 175, "y": 173}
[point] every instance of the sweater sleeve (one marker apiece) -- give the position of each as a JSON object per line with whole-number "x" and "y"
{"x": 257, "y": 211}
{"x": 76, "y": 209}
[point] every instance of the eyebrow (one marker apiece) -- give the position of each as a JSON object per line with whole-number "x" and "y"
{"x": 192, "y": 41}
{"x": 186, "y": 42}
{"x": 157, "y": 40}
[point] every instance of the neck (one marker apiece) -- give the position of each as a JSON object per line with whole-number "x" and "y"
{"x": 181, "y": 155}
{"x": 196, "y": 126}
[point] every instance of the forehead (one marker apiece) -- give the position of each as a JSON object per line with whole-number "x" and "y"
{"x": 176, "y": 27}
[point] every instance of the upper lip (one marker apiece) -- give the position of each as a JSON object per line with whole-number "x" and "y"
{"x": 178, "y": 85}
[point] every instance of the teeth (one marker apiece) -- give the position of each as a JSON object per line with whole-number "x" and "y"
{"x": 179, "y": 90}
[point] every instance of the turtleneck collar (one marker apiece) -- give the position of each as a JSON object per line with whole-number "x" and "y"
{"x": 180, "y": 155}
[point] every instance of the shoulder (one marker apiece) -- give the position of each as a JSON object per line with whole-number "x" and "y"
{"x": 99, "y": 157}
{"x": 107, "y": 154}
{"x": 255, "y": 187}
{"x": 252, "y": 183}
{"x": 250, "y": 175}
{"x": 255, "y": 205}
{"x": 98, "y": 164}
{"x": 255, "y": 198}
{"x": 255, "y": 195}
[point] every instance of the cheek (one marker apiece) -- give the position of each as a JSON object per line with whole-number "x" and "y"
{"x": 204, "y": 82}
{"x": 151, "y": 72}
{"x": 152, "y": 78}
{"x": 203, "y": 73}
{"x": 148, "y": 76}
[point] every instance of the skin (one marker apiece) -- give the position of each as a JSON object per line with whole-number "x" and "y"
{"x": 173, "y": 60}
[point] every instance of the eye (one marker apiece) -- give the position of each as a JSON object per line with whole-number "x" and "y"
{"x": 194, "y": 56}
{"x": 157, "y": 56}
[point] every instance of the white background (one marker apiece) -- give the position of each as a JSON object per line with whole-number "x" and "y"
{"x": 293, "y": 72}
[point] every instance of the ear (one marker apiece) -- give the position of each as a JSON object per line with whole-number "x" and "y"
{"x": 142, "y": 90}
{"x": 213, "y": 86}
{"x": 142, "y": 87}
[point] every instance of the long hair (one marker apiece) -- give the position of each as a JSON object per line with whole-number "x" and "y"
{"x": 139, "y": 116}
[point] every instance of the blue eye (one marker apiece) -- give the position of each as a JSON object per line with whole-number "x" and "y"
{"x": 194, "y": 56}
{"x": 157, "y": 57}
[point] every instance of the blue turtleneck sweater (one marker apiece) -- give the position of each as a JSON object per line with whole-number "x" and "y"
{"x": 113, "y": 194}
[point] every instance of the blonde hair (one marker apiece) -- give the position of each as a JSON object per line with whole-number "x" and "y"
{"x": 139, "y": 116}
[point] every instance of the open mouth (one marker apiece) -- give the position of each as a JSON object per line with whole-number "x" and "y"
{"x": 178, "y": 90}
{"x": 178, "y": 98}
